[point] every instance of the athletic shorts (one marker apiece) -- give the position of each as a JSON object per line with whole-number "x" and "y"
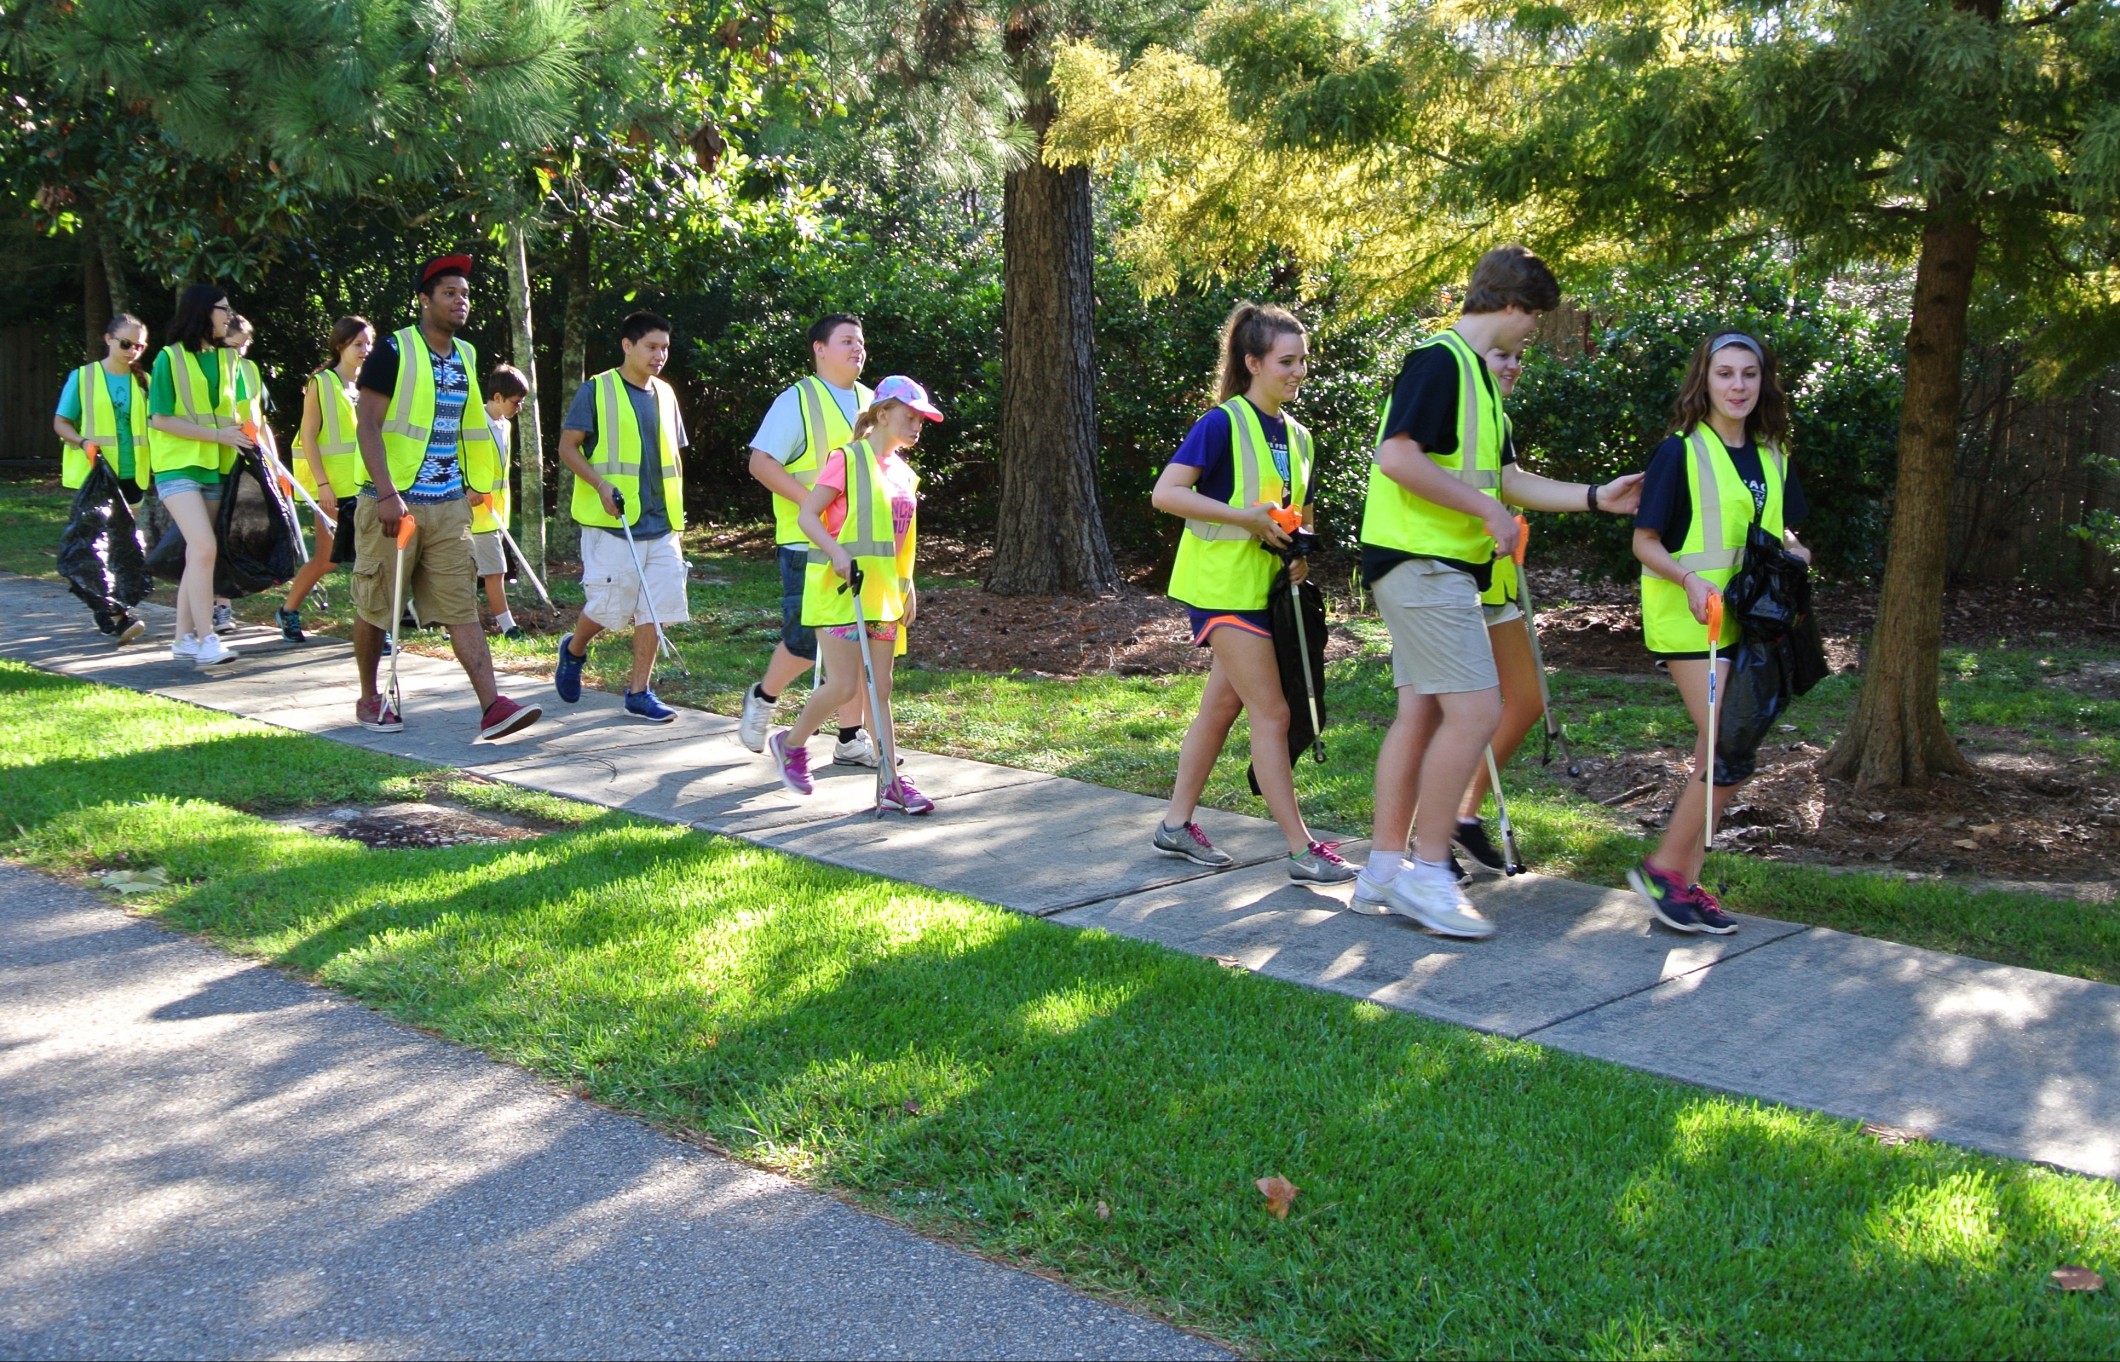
{"x": 1439, "y": 642}
{"x": 437, "y": 564}
{"x": 1205, "y": 622}
{"x": 798, "y": 638}
{"x": 1508, "y": 612}
{"x": 883, "y": 631}
{"x": 205, "y": 481}
{"x": 612, "y": 588}
{"x": 488, "y": 558}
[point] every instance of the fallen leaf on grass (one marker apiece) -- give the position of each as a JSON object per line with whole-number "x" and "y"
{"x": 1228, "y": 961}
{"x": 1280, "y": 1194}
{"x": 1988, "y": 830}
{"x": 912, "y": 1106}
{"x": 1104, "y": 1212}
{"x": 135, "y": 881}
{"x": 2072, "y": 1278}
{"x": 1889, "y": 1136}
{"x": 1965, "y": 844}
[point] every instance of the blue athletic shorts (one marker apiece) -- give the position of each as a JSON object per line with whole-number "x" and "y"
{"x": 800, "y": 639}
{"x": 1205, "y": 622}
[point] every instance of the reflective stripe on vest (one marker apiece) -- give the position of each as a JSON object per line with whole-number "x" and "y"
{"x": 824, "y": 429}
{"x": 1708, "y": 498}
{"x": 1668, "y": 625}
{"x": 1226, "y": 567}
{"x": 621, "y": 447}
{"x": 99, "y": 427}
{"x": 867, "y": 534}
{"x": 1393, "y": 517}
{"x": 1469, "y": 389}
{"x": 408, "y": 419}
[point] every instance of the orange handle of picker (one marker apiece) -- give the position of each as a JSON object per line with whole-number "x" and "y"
{"x": 1714, "y": 616}
{"x": 1523, "y": 537}
{"x": 405, "y": 531}
{"x": 1289, "y": 518}
{"x": 93, "y": 451}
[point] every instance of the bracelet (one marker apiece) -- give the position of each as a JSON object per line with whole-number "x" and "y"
{"x": 1591, "y": 488}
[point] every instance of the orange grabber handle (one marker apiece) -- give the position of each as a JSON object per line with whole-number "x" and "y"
{"x": 1523, "y": 537}
{"x": 1714, "y": 616}
{"x": 89, "y": 448}
{"x": 1289, "y": 518}
{"x": 405, "y": 529}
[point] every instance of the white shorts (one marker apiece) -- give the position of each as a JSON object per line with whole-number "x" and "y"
{"x": 612, "y": 588}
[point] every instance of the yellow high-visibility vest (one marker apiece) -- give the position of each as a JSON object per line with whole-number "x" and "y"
{"x": 1394, "y": 518}
{"x": 336, "y": 445}
{"x": 867, "y": 535}
{"x": 99, "y": 427}
{"x": 409, "y": 419}
{"x": 824, "y": 428}
{"x": 187, "y": 376}
{"x": 1714, "y": 545}
{"x": 621, "y": 448}
{"x": 1226, "y": 567}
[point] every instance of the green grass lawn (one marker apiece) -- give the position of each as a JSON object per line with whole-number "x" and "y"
{"x": 1124, "y": 732}
{"x": 1073, "y": 1101}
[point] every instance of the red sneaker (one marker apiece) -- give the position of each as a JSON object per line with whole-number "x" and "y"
{"x": 504, "y": 716}
{"x": 376, "y": 715}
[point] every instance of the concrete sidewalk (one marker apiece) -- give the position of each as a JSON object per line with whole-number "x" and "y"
{"x": 2007, "y": 1060}
{"x": 205, "y": 1158}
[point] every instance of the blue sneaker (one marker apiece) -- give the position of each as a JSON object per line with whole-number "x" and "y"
{"x": 1668, "y": 898}
{"x": 643, "y": 704}
{"x": 568, "y": 679}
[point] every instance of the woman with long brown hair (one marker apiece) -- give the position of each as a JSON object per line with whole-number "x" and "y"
{"x": 1241, "y": 461}
{"x": 1724, "y": 467}
{"x": 327, "y": 462}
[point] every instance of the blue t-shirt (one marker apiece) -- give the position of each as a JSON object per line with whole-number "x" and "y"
{"x": 1210, "y": 446}
{"x": 651, "y": 519}
{"x": 120, "y": 388}
{"x": 441, "y": 475}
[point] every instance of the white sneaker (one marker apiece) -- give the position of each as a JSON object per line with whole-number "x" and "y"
{"x": 1370, "y": 898}
{"x": 212, "y": 653}
{"x": 185, "y": 648}
{"x": 859, "y": 752}
{"x": 1433, "y": 899}
{"x": 757, "y": 714}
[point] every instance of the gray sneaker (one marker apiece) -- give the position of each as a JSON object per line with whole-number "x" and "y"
{"x": 1192, "y": 844}
{"x": 757, "y": 714}
{"x": 1321, "y": 864}
{"x": 1436, "y": 902}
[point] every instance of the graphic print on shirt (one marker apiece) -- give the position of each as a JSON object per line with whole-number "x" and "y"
{"x": 441, "y": 476}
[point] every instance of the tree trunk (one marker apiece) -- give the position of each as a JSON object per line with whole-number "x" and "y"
{"x": 114, "y": 276}
{"x": 574, "y": 340}
{"x": 1050, "y": 537}
{"x": 1897, "y": 736}
{"x": 530, "y": 441}
{"x": 95, "y": 298}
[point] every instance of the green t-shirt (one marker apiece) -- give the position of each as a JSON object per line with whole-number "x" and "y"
{"x": 162, "y": 389}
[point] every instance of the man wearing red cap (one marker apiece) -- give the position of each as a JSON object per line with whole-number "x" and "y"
{"x": 419, "y": 406}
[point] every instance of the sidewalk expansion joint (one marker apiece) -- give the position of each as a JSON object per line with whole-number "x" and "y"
{"x": 1646, "y": 988}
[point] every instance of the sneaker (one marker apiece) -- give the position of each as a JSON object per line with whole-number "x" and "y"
{"x": 1370, "y": 898}
{"x": 224, "y": 618}
{"x": 1320, "y": 864}
{"x": 644, "y": 704}
{"x": 514, "y": 633}
{"x": 504, "y": 716}
{"x": 1458, "y": 871}
{"x": 185, "y": 648}
{"x": 1471, "y": 839}
{"x": 860, "y": 750}
{"x": 1190, "y": 843}
{"x": 757, "y": 713}
{"x": 106, "y": 623}
{"x": 376, "y": 715}
{"x": 793, "y": 763}
{"x": 567, "y": 680}
{"x": 1434, "y": 900}
{"x": 1713, "y": 920}
{"x": 290, "y": 624}
{"x": 212, "y": 653}
{"x": 131, "y": 629}
{"x": 1666, "y": 896}
{"x": 901, "y": 795}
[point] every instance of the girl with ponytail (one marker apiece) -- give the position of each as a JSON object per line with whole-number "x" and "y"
{"x": 1243, "y": 460}
{"x": 326, "y": 461}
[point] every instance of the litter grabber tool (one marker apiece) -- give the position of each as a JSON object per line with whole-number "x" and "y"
{"x": 886, "y": 742}
{"x": 1715, "y": 620}
{"x": 1290, "y": 519}
{"x": 524, "y": 563}
{"x": 647, "y": 598}
{"x": 287, "y": 482}
{"x": 1512, "y": 864}
{"x": 406, "y": 529}
{"x": 1554, "y": 733}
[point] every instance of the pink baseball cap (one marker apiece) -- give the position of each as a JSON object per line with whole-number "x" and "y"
{"x": 899, "y": 388}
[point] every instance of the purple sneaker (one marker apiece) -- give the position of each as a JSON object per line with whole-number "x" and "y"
{"x": 793, "y": 763}
{"x": 901, "y": 795}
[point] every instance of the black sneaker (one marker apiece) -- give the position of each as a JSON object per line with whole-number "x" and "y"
{"x": 1667, "y": 898}
{"x": 1464, "y": 876}
{"x": 1713, "y": 919}
{"x": 290, "y": 624}
{"x": 1472, "y": 840}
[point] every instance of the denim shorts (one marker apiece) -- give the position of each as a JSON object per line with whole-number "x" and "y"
{"x": 205, "y": 481}
{"x": 797, "y": 637}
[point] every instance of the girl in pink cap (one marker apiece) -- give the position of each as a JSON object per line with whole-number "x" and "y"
{"x": 861, "y": 511}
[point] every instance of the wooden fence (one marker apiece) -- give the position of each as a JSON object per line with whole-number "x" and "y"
{"x": 33, "y": 365}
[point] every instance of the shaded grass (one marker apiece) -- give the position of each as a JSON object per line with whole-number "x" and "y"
{"x": 998, "y": 1080}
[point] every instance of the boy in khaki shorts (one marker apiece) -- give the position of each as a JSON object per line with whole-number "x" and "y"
{"x": 1432, "y": 525}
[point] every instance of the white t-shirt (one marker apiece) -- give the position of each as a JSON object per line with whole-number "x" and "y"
{"x": 781, "y": 433}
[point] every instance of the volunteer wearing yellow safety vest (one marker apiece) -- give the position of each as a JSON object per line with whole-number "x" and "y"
{"x": 1244, "y": 459}
{"x": 195, "y": 401}
{"x": 327, "y": 460}
{"x": 104, "y": 403}
{"x": 807, "y": 421}
{"x": 1724, "y": 466}
{"x": 862, "y": 509}
{"x": 419, "y": 409}
{"x": 1433, "y": 525}
{"x": 488, "y": 477}
{"x": 624, "y": 440}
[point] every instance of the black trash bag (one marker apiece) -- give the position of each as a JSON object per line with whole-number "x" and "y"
{"x": 1771, "y": 589}
{"x": 255, "y": 527}
{"x": 1300, "y": 666}
{"x": 100, "y": 554}
{"x": 1748, "y": 702}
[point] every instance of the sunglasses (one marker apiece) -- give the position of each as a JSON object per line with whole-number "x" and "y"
{"x": 130, "y": 346}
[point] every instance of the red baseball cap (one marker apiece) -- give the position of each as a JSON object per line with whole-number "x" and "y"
{"x": 442, "y": 265}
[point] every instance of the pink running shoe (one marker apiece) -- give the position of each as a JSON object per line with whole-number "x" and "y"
{"x": 901, "y": 795}
{"x": 793, "y": 763}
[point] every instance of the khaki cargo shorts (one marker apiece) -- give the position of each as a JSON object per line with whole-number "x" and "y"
{"x": 1438, "y": 629}
{"x": 438, "y": 568}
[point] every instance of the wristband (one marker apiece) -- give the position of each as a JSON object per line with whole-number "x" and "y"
{"x": 1591, "y": 488}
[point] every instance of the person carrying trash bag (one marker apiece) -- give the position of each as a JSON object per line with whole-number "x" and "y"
{"x": 102, "y": 416}
{"x": 419, "y": 407}
{"x": 1723, "y": 470}
{"x": 327, "y": 461}
{"x": 624, "y": 440}
{"x": 1239, "y": 480}
{"x": 861, "y": 513}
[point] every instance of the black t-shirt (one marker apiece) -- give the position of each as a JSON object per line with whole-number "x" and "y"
{"x": 1667, "y": 508}
{"x": 1424, "y": 409}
